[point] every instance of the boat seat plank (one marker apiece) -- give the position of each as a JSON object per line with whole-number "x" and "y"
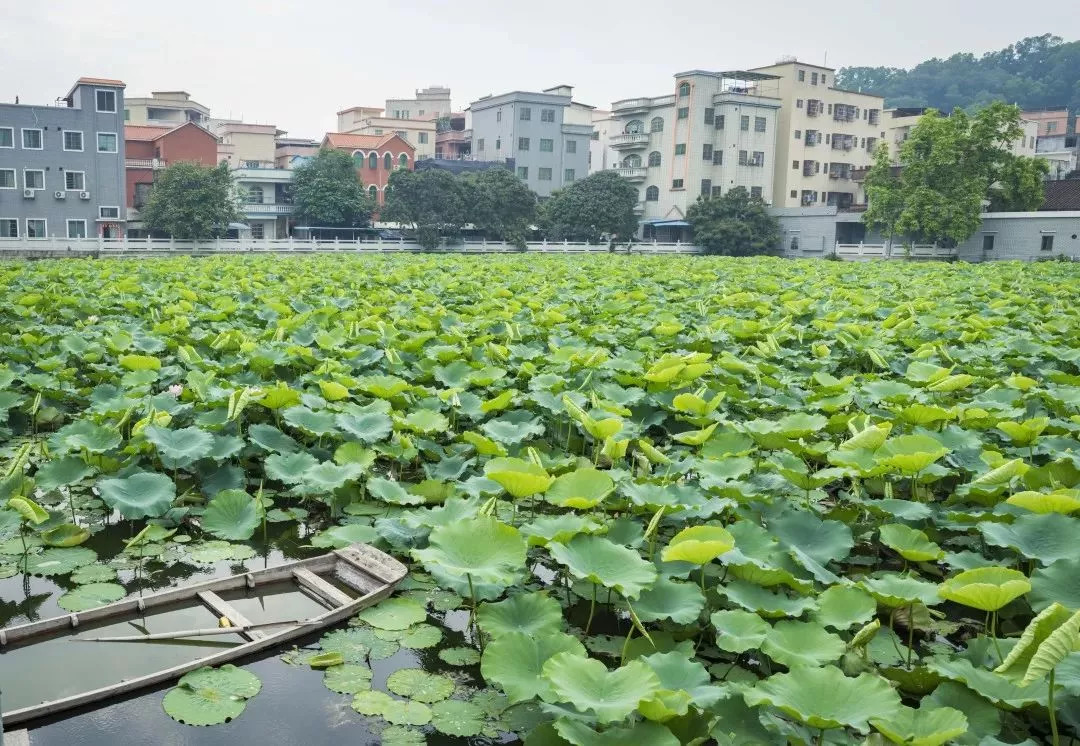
{"x": 221, "y": 607}
{"x": 321, "y": 588}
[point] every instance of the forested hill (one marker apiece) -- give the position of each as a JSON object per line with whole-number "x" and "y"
{"x": 1038, "y": 72}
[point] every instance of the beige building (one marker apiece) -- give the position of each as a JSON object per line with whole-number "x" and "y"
{"x": 717, "y": 131}
{"x": 289, "y": 152}
{"x": 165, "y": 109}
{"x": 244, "y": 145}
{"x": 363, "y": 120}
{"x": 429, "y": 103}
{"x": 825, "y": 133}
{"x": 898, "y": 124}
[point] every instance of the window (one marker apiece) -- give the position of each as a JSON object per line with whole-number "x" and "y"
{"x": 1047, "y": 243}
{"x": 32, "y": 139}
{"x": 802, "y": 76}
{"x": 794, "y": 165}
{"x": 988, "y": 242}
{"x": 680, "y": 149}
{"x": 36, "y": 228}
{"x": 652, "y": 194}
{"x": 720, "y": 122}
{"x": 108, "y": 212}
{"x": 526, "y": 114}
{"x": 388, "y": 161}
{"x": 632, "y": 161}
{"x": 744, "y": 124}
{"x": 33, "y": 179}
{"x": 523, "y": 143}
{"x": 547, "y": 115}
{"x": 706, "y": 188}
{"x": 257, "y": 230}
{"x": 794, "y": 194}
{"x": 358, "y": 158}
{"x": 373, "y": 192}
{"x": 755, "y": 192}
{"x": 9, "y": 228}
{"x": 571, "y": 146}
{"x": 710, "y": 116}
{"x": 824, "y": 78}
{"x": 73, "y": 140}
{"x": 718, "y": 157}
{"x": 706, "y": 152}
{"x": 106, "y": 142}
{"x": 402, "y": 134}
{"x": 634, "y": 127}
{"x": 676, "y": 183}
{"x": 546, "y": 146}
{"x": 498, "y": 115}
{"x": 7, "y": 178}
{"x": 684, "y": 112}
{"x": 142, "y": 194}
{"x": 717, "y": 191}
{"x": 798, "y": 103}
{"x": 403, "y": 160}
{"x": 523, "y": 172}
{"x": 7, "y": 137}
{"x": 480, "y": 145}
{"x": 421, "y": 113}
{"x": 76, "y": 229}
{"x": 830, "y": 108}
{"x": 759, "y": 158}
{"x": 684, "y": 89}
{"x": 654, "y": 158}
{"x": 742, "y": 157}
{"x": 373, "y": 161}
{"x": 657, "y": 124}
{"x": 106, "y": 101}
{"x": 759, "y": 124}
{"x": 813, "y": 78}
{"x": 569, "y": 175}
{"x": 1051, "y": 127}
{"x": 255, "y": 195}
{"x": 74, "y": 181}
{"x": 544, "y": 174}
{"x": 422, "y": 138}
{"x": 498, "y": 143}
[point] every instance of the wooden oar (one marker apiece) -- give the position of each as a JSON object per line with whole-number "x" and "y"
{"x": 204, "y": 632}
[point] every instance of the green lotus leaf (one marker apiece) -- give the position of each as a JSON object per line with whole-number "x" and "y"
{"x": 802, "y": 644}
{"x": 315, "y": 423}
{"x": 763, "y": 601}
{"x": 392, "y": 492}
{"x": 518, "y": 477}
{"x": 62, "y": 472}
{"x": 911, "y": 544}
{"x": 348, "y": 678}
{"x": 510, "y": 430}
{"x": 679, "y": 673}
{"x": 1045, "y": 623}
{"x": 459, "y": 656}
{"x": 368, "y": 427}
{"x": 57, "y": 561}
{"x": 665, "y": 705}
{"x": 353, "y": 644}
{"x": 455, "y": 717}
{"x": 372, "y": 702}
{"x": 822, "y": 541}
{"x": 326, "y": 660}
{"x": 1045, "y": 538}
{"x": 825, "y": 698}
{"x": 28, "y": 510}
{"x": 269, "y": 438}
{"x": 909, "y": 454}
{"x": 842, "y": 607}
{"x": 738, "y": 631}
{"x": 83, "y": 435}
{"x": 401, "y": 735}
{"x": 326, "y": 477}
{"x": 393, "y": 613}
{"x": 93, "y": 574}
{"x": 602, "y": 561}
{"x": 535, "y": 614}
{"x": 426, "y": 421}
{"x": 478, "y": 552}
{"x": 669, "y": 599}
{"x": 514, "y": 661}
{"x": 565, "y": 731}
{"x": 588, "y": 686}
{"x": 1024, "y": 433}
{"x": 210, "y": 696}
{"x": 339, "y": 537}
{"x": 232, "y": 514}
{"x": 894, "y": 590}
{"x": 420, "y": 685}
{"x": 926, "y": 726}
{"x": 289, "y": 468}
{"x": 582, "y": 489}
{"x": 65, "y": 535}
{"x": 1059, "y": 582}
{"x": 1000, "y": 690}
{"x": 141, "y": 495}
{"x": 90, "y": 596}
{"x": 209, "y": 552}
{"x": 695, "y": 437}
{"x": 179, "y": 448}
{"x": 985, "y": 588}
{"x": 1062, "y": 502}
{"x": 561, "y": 528}
{"x": 996, "y": 480}
{"x": 698, "y": 545}
{"x": 403, "y": 712}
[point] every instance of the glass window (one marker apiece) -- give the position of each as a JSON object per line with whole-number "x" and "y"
{"x": 422, "y": 138}
{"x": 106, "y": 142}
{"x": 34, "y": 179}
{"x": 654, "y": 158}
{"x": 388, "y": 161}
{"x": 373, "y": 192}
{"x": 813, "y": 78}
{"x": 9, "y": 228}
{"x": 676, "y": 183}
{"x": 759, "y": 158}
{"x": 680, "y": 149}
{"x": 652, "y": 194}
{"x": 526, "y": 114}
{"x": 742, "y": 157}
{"x": 634, "y": 127}
{"x": 798, "y": 103}
{"x": 571, "y": 146}
{"x": 632, "y": 161}
{"x": 547, "y": 115}
{"x": 684, "y": 112}
{"x": 569, "y": 175}
{"x": 802, "y": 76}
{"x": 710, "y": 115}
{"x": 794, "y": 165}
{"x": 498, "y": 115}
{"x": 108, "y": 212}
{"x": 35, "y": 228}
{"x": 74, "y": 180}
{"x": 684, "y": 89}
{"x": 523, "y": 172}
{"x": 255, "y": 195}
{"x": 1047, "y": 243}
{"x": 523, "y": 143}
{"x": 373, "y": 161}
{"x": 798, "y": 134}
{"x": 498, "y": 143}
{"x": 755, "y": 192}
{"x": 7, "y": 137}
{"x": 257, "y": 230}
{"x": 657, "y": 124}
{"x": 759, "y": 124}
{"x": 32, "y": 140}
{"x": 106, "y": 101}
{"x": 706, "y": 152}
{"x": 546, "y": 145}
{"x": 73, "y": 140}
{"x": 403, "y": 160}
{"x": 7, "y": 178}
{"x": 988, "y": 242}
{"x": 544, "y": 174}
{"x": 744, "y": 124}
{"x": 794, "y": 194}
{"x": 358, "y": 158}
{"x": 720, "y": 122}
{"x": 718, "y": 157}
{"x": 480, "y": 145}
{"x": 706, "y": 187}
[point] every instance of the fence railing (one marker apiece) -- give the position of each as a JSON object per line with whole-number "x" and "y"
{"x": 864, "y": 251}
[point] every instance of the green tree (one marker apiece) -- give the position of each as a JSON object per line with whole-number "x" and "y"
{"x": 602, "y": 203}
{"x": 432, "y": 201}
{"x": 735, "y": 224}
{"x": 1020, "y": 185}
{"x": 327, "y": 191}
{"x": 883, "y": 194}
{"x": 499, "y": 204}
{"x": 190, "y": 201}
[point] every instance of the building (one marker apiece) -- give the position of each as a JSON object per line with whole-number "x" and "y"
{"x": 148, "y": 150}
{"x": 900, "y": 122}
{"x": 166, "y": 109}
{"x": 429, "y": 103}
{"x": 1050, "y": 121}
{"x": 266, "y": 200}
{"x": 547, "y": 134}
{"x": 244, "y": 145}
{"x": 364, "y": 120}
{"x": 825, "y": 133}
{"x": 453, "y": 138}
{"x": 601, "y": 155}
{"x": 715, "y": 132}
{"x": 376, "y": 157}
{"x": 290, "y": 152}
{"x": 62, "y": 164}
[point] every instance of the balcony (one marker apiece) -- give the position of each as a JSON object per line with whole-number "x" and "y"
{"x": 843, "y": 113}
{"x": 152, "y": 163}
{"x": 267, "y": 209}
{"x": 629, "y": 105}
{"x": 639, "y": 208}
{"x": 454, "y": 137}
{"x": 629, "y": 141}
{"x": 631, "y": 173}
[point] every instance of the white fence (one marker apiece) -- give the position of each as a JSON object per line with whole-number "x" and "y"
{"x": 861, "y": 252}
{"x": 164, "y": 246}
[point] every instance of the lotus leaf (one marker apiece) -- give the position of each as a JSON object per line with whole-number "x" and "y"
{"x": 911, "y": 544}
{"x": 269, "y": 438}
{"x": 738, "y": 631}
{"x": 209, "y": 696}
{"x": 90, "y": 596}
{"x": 605, "y": 563}
{"x": 65, "y": 535}
{"x": 28, "y": 510}
{"x": 765, "y": 602}
{"x": 62, "y": 472}
{"x": 93, "y": 574}
{"x": 420, "y": 637}
{"x": 83, "y": 435}
{"x": 393, "y": 614}
{"x": 583, "y": 489}
{"x": 232, "y": 514}
{"x": 588, "y": 686}
{"x": 926, "y": 726}
{"x": 698, "y": 545}
{"x": 339, "y": 537}
{"x": 1062, "y": 502}
{"x": 402, "y": 712}
{"x": 669, "y": 599}
{"x": 372, "y": 702}
{"x": 677, "y": 673}
{"x": 179, "y": 448}
{"x": 1042, "y": 537}
{"x": 455, "y": 717}
{"x": 535, "y": 614}
{"x": 842, "y": 607}
{"x": 400, "y": 735}
{"x": 825, "y": 698}
{"x": 518, "y": 477}
{"x": 989, "y": 685}
{"x": 893, "y": 590}
{"x": 315, "y": 423}
{"x": 419, "y": 685}
{"x": 796, "y": 644}
{"x": 515, "y": 660}
{"x": 368, "y": 427}
{"x": 985, "y": 588}
{"x": 478, "y": 556}
{"x": 392, "y": 492}
{"x": 459, "y": 656}
{"x": 561, "y": 528}
{"x": 909, "y": 454}
{"x": 141, "y": 495}
{"x": 579, "y": 734}
{"x": 57, "y": 561}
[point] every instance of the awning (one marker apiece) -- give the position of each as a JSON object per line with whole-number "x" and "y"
{"x": 660, "y": 223}
{"x": 238, "y": 226}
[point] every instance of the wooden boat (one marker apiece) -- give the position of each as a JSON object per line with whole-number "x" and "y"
{"x": 57, "y": 664}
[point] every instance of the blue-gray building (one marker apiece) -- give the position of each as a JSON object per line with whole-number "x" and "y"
{"x": 62, "y": 165}
{"x": 546, "y": 135}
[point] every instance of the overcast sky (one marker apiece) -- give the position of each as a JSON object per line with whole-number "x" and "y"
{"x": 294, "y": 64}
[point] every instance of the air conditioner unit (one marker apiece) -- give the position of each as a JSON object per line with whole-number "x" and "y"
{"x": 60, "y": 195}
{"x": 84, "y": 195}
{"x": 28, "y": 193}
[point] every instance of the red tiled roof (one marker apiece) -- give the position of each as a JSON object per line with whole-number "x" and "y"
{"x": 143, "y": 132}
{"x": 102, "y": 81}
{"x": 359, "y": 142}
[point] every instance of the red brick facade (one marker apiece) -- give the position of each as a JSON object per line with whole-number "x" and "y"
{"x": 388, "y": 152}
{"x": 148, "y": 149}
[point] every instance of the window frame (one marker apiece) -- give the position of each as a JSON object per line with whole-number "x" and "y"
{"x": 71, "y": 221}
{"x": 652, "y": 190}
{"x": 97, "y": 101}
{"x": 706, "y": 151}
{"x": 74, "y": 189}
{"x": 525, "y": 114}
{"x": 760, "y": 193}
{"x": 116, "y": 143}
{"x": 683, "y": 112}
{"x": 551, "y": 145}
{"x": 659, "y": 159}
{"x": 547, "y": 115}
{"x": 479, "y": 145}
{"x": 14, "y": 221}
{"x": 12, "y": 131}
{"x": 652, "y": 124}
{"x": 677, "y": 184}
{"x": 524, "y": 143}
{"x": 37, "y": 171}
{"x": 41, "y": 137}
{"x": 684, "y": 89}
{"x": 540, "y": 174}
{"x": 680, "y": 148}
{"x": 422, "y": 138}
{"x": 992, "y": 237}
{"x": 388, "y": 161}
{"x": 373, "y": 161}
{"x": 102, "y": 216}
{"x": 744, "y": 123}
{"x": 262, "y": 231}
{"x": 571, "y": 146}
{"x": 1046, "y": 241}
{"x": 45, "y": 232}
{"x": 761, "y": 124}
{"x": 569, "y": 175}
{"x": 403, "y": 160}
{"x": 64, "y": 143}
{"x": 523, "y": 172}
{"x": 14, "y": 178}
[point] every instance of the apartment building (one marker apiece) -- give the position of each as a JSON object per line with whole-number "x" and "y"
{"x": 899, "y": 123}
{"x": 453, "y": 138}
{"x": 365, "y": 120}
{"x": 547, "y": 134}
{"x": 375, "y": 156}
{"x": 165, "y": 109}
{"x": 716, "y": 131}
{"x": 244, "y": 145}
{"x": 1050, "y": 121}
{"x": 148, "y": 150}
{"x": 290, "y": 152}
{"x": 428, "y": 103}
{"x": 62, "y": 164}
{"x": 825, "y": 134}
{"x": 601, "y": 155}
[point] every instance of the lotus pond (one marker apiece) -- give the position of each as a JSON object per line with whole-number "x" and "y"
{"x": 652, "y": 501}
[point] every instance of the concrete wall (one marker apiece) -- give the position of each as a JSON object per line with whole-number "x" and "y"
{"x": 1020, "y": 235}
{"x": 103, "y": 172}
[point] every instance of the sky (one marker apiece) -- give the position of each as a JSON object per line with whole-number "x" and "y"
{"x": 296, "y": 64}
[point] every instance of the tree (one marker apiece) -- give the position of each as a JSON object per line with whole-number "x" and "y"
{"x": 499, "y": 204}
{"x": 190, "y": 201}
{"x": 327, "y": 191}
{"x": 735, "y": 224}
{"x": 602, "y": 203}
{"x": 1020, "y": 185}
{"x": 883, "y": 194}
{"x": 432, "y": 201}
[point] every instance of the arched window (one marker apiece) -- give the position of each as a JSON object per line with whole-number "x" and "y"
{"x": 657, "y": 124}
{"x": 632, "y": 161}
{"x": 373, "y": 161}
{"x": 634, "y": 127}
{"x": 373, "y": 192}
{"x": 388, "y": 161}
{"x": 684, "y": 89}
{"x": 403, "y": 160}
{"x": 654, "y": 158}
{"x": 358, "y": 158}
{"x": 652, "y": 194}
{"x": 255, "y": 195}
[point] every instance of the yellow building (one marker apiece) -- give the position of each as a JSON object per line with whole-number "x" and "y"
{"x": 367, "y": 120}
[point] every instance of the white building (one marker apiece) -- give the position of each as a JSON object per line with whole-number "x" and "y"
{"x": 165, "y": 108}
{"x": 899, "y": 123}
{"x": 717, "y": 131}
{"x": 601, "y": 155}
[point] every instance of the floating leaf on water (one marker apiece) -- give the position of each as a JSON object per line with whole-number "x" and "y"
{"x": 405, "y": 712}
{"x": 372, "y": 702}
{"x": 393, "y": 614}
{"x": 210, "y": 696}
{"x": 347, "y": 678}
{"x": 459, "y": 656}
{"x": 339, "y": 537}
{"x": 326, "y": 660}
{"x": 65, "y": 535}
{"x": 455, "y": 717}
{"x": 90, "y": 596}
{"x": 58, "y": 560}
{"x": 419, "y": 685}
{"x": 534, "y": 614}
{"x": 400, "y": 735}
{"x": 421, "y": 637}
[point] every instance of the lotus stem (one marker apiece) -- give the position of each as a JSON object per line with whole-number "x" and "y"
{"x": 993, "y": 636}
{"x": 592, "y": 609}
{"x": 1050, "y": 707}
{"x": 626, "y": 644}
{"x": 910, "y": 631}
{"x": 821, "y": 737}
